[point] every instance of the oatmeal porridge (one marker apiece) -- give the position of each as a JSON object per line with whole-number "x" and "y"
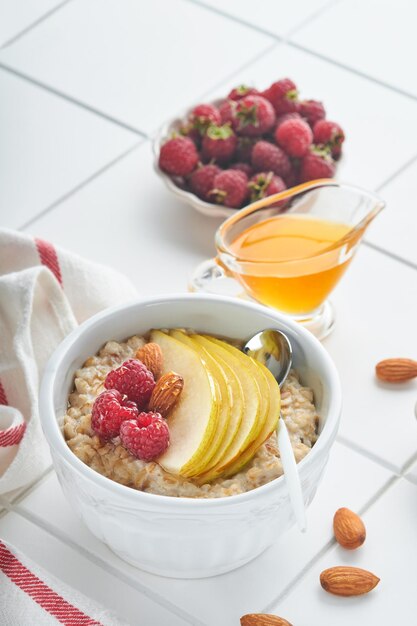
{"x": 112, "y": 456}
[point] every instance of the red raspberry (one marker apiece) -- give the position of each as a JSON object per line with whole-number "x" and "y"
{"x": 283, "y": 96}
{"x": 219, "y": 143}
{"x": 267, "y": 157}
{"x": 329, "y": 134}
{"x": 187, "y": 130}
{"x": 227, "y": 111}
{"x": 201, "y": 181}
{"x": 287, "y": 116}
{"x": 295, "y": 137}
{"x": 312, "y": 110}
{"x": 316, "y": 165}
{"x": 265, "y": 184}
{"x": 230, "y": 188}
{"x": 133, "y": 380}
{"x": 109, "y": 410}
{"x": 254, "y": 116}
{"x": 178, "y": 156}
{"x": 146, "y": 437}
{"x": 203, "y": 115}
{"x": 244, "y": 149}
{"x": 241, "y": 91}
{"x": 242, "y": 167}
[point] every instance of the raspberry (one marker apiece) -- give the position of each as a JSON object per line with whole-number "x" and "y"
{"x": 244, "y": 149}
{"x": 287, "y": 116}
{"x": 295, "y": 137}
{"x": 230, "y": 188}
{"x": 146, "y": 437}
{"x": 201, "y": 181}
{"x": 187, "y": 130}
{"x": 312, "y": 110}
{"x": 219, "y": 143}
{"x": 254, "y": 116}
{"x": 267, "y": 157}
{"x": 265, "y": 184}
{"x": 178, "y": 156}
{"x": 283, "y": 96}
{"x": 203, "y": 115}
{"x": 227, "y": 111}
{"x": 109, "y": 410}
{"x": 316, "y": 165}
{"x": 241, "y": 91}
{"x": 133, "y": 380}
{"x": 329, "y": 134}
{"x": 242, "y": 167}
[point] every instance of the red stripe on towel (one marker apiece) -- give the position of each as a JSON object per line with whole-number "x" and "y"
{"x": 12, "y": 436}
{"x": 43, "y": 595}
{"x": 3, "y": 397}
{"x": 49, "y": 258}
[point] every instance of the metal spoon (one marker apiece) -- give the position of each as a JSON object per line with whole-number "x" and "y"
{"x": 272, "y": 348}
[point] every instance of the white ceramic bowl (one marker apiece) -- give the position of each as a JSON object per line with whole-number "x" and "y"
{"x": 183, "y": 537}
{"x": 164, "y": 133}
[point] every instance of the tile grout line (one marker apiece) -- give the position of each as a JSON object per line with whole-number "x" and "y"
{"x": 368, "y": 454}
{"x": 313, "y": 16}
{"x": 110, "y": 569}
{"x": 41, "y": 19}
{"x": 68, "y": 98}
{"x": 391, "y": 482}
{"x": 81, "y": 185}
{"x": 390, "y": 254}
{"x": 285, "y": 39}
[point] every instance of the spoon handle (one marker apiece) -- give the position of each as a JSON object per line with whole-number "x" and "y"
{"x": 292, "y": 476}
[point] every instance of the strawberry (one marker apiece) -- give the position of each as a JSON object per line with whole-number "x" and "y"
{"x": 230, "y": 188}
{"x": 219, "y": 143}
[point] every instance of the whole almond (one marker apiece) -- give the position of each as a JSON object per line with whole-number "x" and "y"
{"x": 151, "y": 356}
{"x": 166, "y": 393}
{"x": 396, "y": 370}
{"x": 262, "y": 619}
{"x": 349, "y": 529}
{"x": 348, "y": 581}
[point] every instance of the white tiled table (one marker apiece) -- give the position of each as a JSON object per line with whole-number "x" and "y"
{"x": 84, "y": 83}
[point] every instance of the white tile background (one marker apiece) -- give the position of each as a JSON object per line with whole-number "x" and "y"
{"x": 83, "y": 85}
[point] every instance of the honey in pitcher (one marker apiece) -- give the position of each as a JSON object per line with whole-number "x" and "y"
{"x": 299, "y": 261}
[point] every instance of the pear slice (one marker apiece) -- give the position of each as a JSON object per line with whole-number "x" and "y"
{"x": 268, "y": 428}
{"x": 193, "y": 421}
{"x": 255, "y": 407}
{"x": 231, "y": 410}
{"x": 222, "y": 393}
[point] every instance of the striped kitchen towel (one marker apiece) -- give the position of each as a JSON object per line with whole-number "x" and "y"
{"x": 29, "y": 596}
{"x": 44, "y": 293}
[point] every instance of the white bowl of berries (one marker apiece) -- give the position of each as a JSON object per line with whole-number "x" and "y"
{"x": 221, "y": 156}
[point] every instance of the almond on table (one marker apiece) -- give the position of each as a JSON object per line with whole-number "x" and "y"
{"x": 348, "y": 581}
{"x": 261, "y": 619}
{"x": 349, "y": 529}
{"x": 396, "y": 370}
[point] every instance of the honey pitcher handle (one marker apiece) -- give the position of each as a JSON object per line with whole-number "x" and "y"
{"x": 211, "y": 277}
